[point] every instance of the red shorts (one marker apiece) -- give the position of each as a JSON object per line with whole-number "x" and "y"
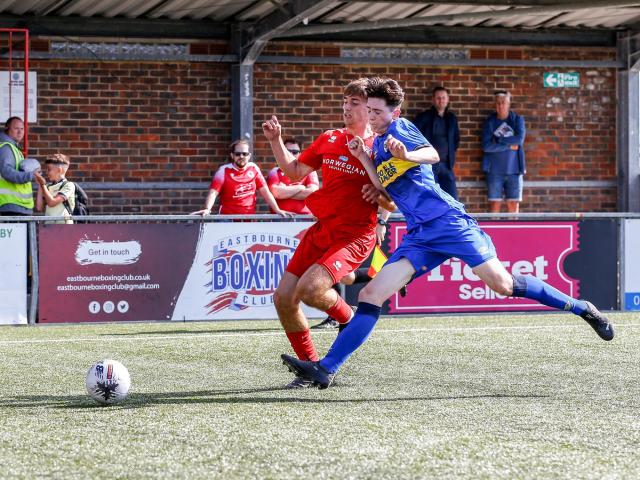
{"x": 339, "y": 251}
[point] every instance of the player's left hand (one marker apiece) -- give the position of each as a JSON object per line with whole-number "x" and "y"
{"x": 396, "y": 147}
{"x": 381, "y": 231}
{"x": 285, "y": 214}
{"x": 370, "y": 193}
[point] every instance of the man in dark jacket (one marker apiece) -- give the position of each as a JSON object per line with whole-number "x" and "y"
{"x": 440, "y": 127}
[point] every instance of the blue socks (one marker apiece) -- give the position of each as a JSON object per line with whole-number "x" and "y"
{"x": 354, "y": 335}
{"x": 366, "y": 317}
{"x": 532, "y": 287}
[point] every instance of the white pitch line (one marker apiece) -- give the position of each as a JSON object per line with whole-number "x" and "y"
{"x": 160, "y": 337}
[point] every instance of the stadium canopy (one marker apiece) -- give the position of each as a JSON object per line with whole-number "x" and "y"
{"x": 248, "y": 25}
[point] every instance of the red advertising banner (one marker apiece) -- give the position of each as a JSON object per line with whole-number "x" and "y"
{"x": 535, "y": 248}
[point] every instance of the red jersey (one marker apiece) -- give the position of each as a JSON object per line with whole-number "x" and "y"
{"x": 343, "y": 176}
{"x": 237, "y": 188}
{"x": 277, "y": 177}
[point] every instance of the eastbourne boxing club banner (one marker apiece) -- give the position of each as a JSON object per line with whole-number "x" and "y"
{"x": 194, "y": 271}
{"x": 631, "y": 260}
{"x": 577, "y": 258}
{"x": 13, "y": 280}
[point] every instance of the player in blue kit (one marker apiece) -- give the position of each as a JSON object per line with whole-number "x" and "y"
{"x": 438, "y": 228}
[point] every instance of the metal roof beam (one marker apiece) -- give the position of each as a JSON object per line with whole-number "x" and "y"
{"x": 457, "y": 17}
{"x": 494, "y": 3}
{"x": 476, "y": 36}
{"x": 277, "y": 23}
{"x": 116, "y": 27}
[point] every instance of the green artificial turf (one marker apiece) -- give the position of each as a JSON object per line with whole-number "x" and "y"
{"x": 535, "y": 396}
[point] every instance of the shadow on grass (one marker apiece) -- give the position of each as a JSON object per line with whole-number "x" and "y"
{"x": 192, "y": 332}
{"x": 235, "y": 396}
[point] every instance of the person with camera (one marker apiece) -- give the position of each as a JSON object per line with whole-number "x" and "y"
{"x": 56, "y": 198}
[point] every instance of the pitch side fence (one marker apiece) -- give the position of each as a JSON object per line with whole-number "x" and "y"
{"x": 181, "y": 267}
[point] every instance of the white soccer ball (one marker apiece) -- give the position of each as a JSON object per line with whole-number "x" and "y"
{"x": 108, "y": 382}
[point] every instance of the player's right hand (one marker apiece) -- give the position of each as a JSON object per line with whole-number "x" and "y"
{"x": 395, "y": 147}
{"x": 272, "y": 128}
{"x": 356, "y": 146}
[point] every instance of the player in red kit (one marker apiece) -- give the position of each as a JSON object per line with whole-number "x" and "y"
{"x": 346, "y": 230}
{"x": 291, "y": 195}
{"x": 236, "y": 183}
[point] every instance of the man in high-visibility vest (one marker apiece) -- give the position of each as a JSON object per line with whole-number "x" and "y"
{"x": 16, "y": 192}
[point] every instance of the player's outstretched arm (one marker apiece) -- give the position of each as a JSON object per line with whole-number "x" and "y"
{"x": 293, "y": 169}
{"x": 208, "y": 204}
{"x": 358, "y": 149}
{"x": 266, "y": 194}
{"x": 398, "y": 149}
{"x": 372, "y": 195}
{"x": 385, "y": 202}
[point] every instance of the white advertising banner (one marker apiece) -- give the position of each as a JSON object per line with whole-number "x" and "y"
{"x": 12, "y": 88}
{"x": 632, "y": 265}
{"x": 236, "y": 269}
{"x": 13, "y": 280}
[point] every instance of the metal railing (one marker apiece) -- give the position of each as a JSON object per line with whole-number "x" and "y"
{"x": 35, "y": 219}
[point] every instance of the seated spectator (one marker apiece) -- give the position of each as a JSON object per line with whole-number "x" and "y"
{"x": 290, "y": 195}
{"x": 236, "y": 183}
{"x": 57, "y": 197}
{"x": 16, "y": 192}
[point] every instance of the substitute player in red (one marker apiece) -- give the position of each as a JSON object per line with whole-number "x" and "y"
{"x": 236, "y": 183}
{"x": 290, "y": 195}
{"x": 345, "y": 232}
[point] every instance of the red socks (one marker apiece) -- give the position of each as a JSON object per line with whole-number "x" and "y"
{"x": 341, "y": 311}
{"x": 303, "y": 345}
{"x": 301, "y": 341}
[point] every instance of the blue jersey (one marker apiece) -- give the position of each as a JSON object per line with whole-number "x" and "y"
{"x": 411, "y": 185}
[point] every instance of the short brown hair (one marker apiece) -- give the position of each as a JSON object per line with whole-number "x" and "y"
{"x": 387, "y": 89}
{"x": 58, "y": 159}
{"x": 357, "y": 88}
{"x": 291, "y": 140}
{"x": 233, "y": 145}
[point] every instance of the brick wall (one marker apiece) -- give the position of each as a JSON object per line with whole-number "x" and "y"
{"x": 135, "y": 122}
{"x": 171, "y": 121}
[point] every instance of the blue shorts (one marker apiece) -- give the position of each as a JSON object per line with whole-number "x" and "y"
{"x": 504, "y": 185}
{"x": 454, "y": 234}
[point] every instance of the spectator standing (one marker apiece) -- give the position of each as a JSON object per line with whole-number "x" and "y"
{"x": 503, "y": 161}
{"x": 236, "y": 183}
{"x": 56, "y": 198}
{"x": 16, "y": 192}
{"x": 439, "y": 125}
{"x": 288, "y": 194}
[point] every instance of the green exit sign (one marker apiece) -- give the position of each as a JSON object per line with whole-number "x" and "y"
{"x": 561, "y": 80}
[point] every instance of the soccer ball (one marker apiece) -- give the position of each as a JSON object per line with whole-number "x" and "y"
{"x": 108, "y": 382}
